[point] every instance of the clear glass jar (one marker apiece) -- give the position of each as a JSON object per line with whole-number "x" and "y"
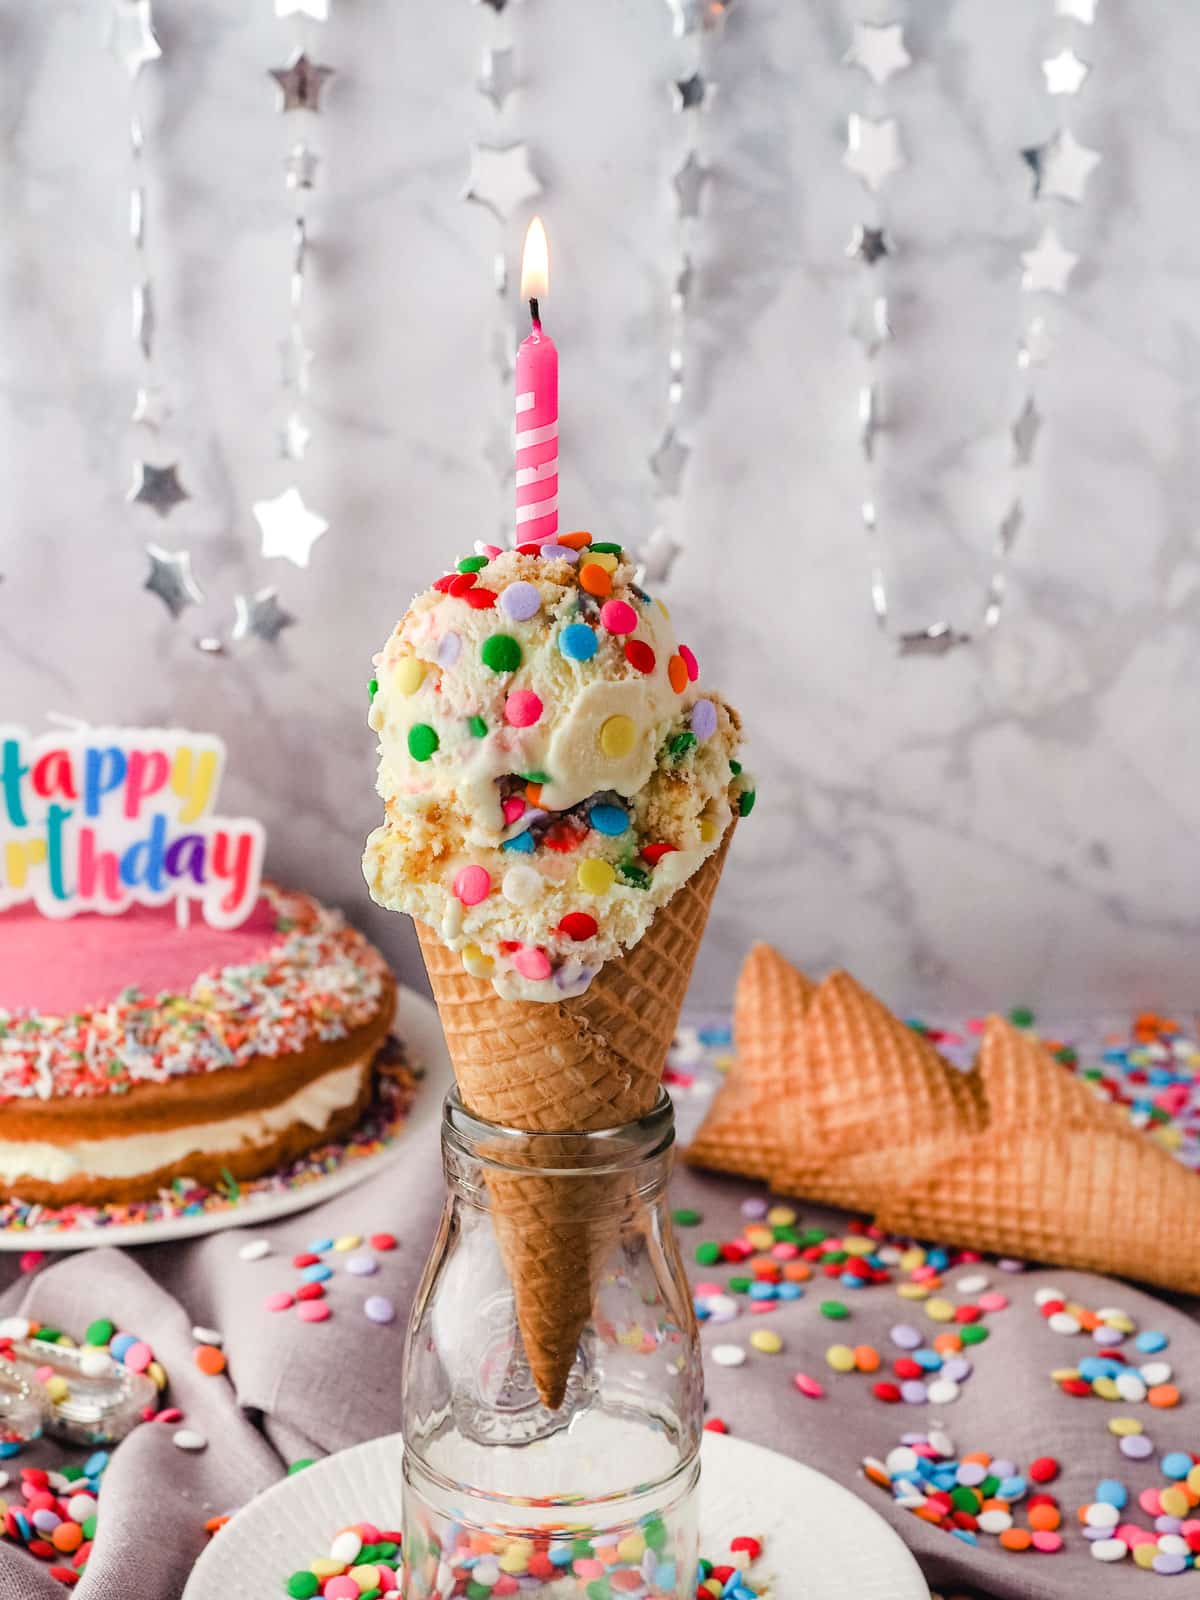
{"x": 594, "y": 1496}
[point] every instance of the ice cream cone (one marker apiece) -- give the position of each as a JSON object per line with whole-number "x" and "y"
{"x": 571, "y": 1066}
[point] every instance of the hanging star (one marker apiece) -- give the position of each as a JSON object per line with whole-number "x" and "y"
{"x": 261, "y": 615}
{"x": 1024, "y": 433}
{"x": 300, "y": 83}
{"x": 681, "y": 289}
{"x": 1010, "y": 526}
{"x": 296, "y": 359}
{"x": 1036, "y": 344}
{"x": 869, "y": 245}
{"x": 171, "y": 579}
{"x": 1048, "y": 266}
{"x": 132, "y": 35}
{"x": 1061, "y": 167}
{"x": 157, "y": 487}
{"x": 318, "y": 10}
{"x": 501, "y": 178}
{"x": 289, "y": 528}
{"x": 294, "y": 438}
{"x": 938, "y": 639}
{"x": 878, "y": 50}
{"x": 870, "y": 325}
{"x": 872, "y": 150}
{"x": 497, "y": 80}
{"x": 659, "y": 555}
{"x": 301, "y": 167}
{"x": 685, "y": 16}
{"x": 668, "y": 461}
{"x": 150, "y": 408}
{"x": 868, "y": 418}
{"x": 994, "y": 603}
{"x": 687, "y": 183}
{"x": 143, "y": 317}
{"x": 1078, "y": 10}
{"x": 1065, "y": 72}
{"x": 690, "y": 93}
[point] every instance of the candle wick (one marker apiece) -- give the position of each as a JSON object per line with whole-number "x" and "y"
{"x": 534, "y": 313}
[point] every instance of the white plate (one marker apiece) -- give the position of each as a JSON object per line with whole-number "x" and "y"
{"x": 418, "y": 1026}
{"x": 820, "y": 1540}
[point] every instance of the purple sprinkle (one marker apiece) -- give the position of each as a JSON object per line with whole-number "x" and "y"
{"x": 45, "y": 1521}
{"x": 906, "y": 1336}
{"x": 1097, "y": 1533}
{"x": 913, "y": 1392}
{"x": 379, "y": 1308}
{"x": 971, "y": 1473}
{"x": 1136, "y": 1446}
{"x": 1107, "y": 1335}
{"x": 362, "y": 1266}
{"x": 1003, "y": 1468}
{"x": 449, "y": 649}
{"x": 1166, "y": 1524}
{"x": 520, "y": 601}
{"x": 1010, "y": 1264}
{"x": 1169, "y": 1564}
{"x": 754, "y": 1208}
{"x": 957, "y": 1368}
{"x": 559, "y": 552}
{"x": 704, "y": 719}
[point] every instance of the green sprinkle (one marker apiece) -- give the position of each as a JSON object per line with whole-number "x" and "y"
{"x": 964, "y": 1499}
{"x": 746, "y": 802}
{"x": 472, "y": 563}
{"x": 49, "y": 1335}
{"x": 597, "y": 1589}
{"x": 736, "y": 768}
{"x": 654, "y": 1532}
{"x": 1021, "y": 1017}
{"x": 635, "y": 877}
{"x": 422, "y": 741}
{"x": 605, "y": 549}
{"x": 373, "y": 688}
{"x": 974, "y": 1333}
{"x": 303, "y": 1585}
{"x": 89, "y": 1526}
{"x": 834, "y": 1310}
{"x": 685, "y": 1217}
{"x": 501, "y": 652}
{"x": 708, "y": 1253}
{"x": 230, "y": 1184}
{"x": 477, "y": 726}
{"x": 679, "y": 744}
{"x": 299, "y": 1466}
{"x": 989, "y": 1486}
{"x": 100, "y": 1331}
{"x": 536, "y": 777}
{"x": 740, "y": 1285}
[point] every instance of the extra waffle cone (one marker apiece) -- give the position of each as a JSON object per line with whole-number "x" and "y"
{"x": 834, "y": 1099}
{"x": 571, "y": 1066}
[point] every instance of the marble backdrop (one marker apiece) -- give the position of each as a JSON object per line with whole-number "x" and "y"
{"x": 1018, "y": 820}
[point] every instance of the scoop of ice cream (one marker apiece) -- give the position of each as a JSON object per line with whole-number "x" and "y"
{"x": 550, "y": 769}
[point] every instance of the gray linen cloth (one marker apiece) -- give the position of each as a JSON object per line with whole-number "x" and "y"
{"x": 296, "y": 1389}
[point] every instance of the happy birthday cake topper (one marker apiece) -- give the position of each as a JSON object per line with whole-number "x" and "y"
{"x": 99, "y": 819}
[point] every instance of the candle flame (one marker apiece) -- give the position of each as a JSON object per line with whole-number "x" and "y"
{"x": 535, "y": 262}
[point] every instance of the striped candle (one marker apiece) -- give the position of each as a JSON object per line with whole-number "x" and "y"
{"x": 537, "y": 406}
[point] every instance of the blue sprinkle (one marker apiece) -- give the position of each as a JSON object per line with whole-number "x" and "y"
{"x": 612, "y": 820}
{"x": 763, "y": 1291}
{"x": 789, "y": 1291}
{"x": 965, "y": 1535}
{"x": 319, "y": 1246}
{"x": 1114, "y": 1493}
{"x": 929, "y": 1359}
{"x": 10, "y": 1447}
{"x": 522, "y": 842}
{"x": 1176, "y": 1464}
{"x": 577, "y": 642}
{"x": 1013, "y": 1488}
{"x": 123, "y": 1343}
{"x": 1151, "y": 1341}
{"x": 317, "y": 1273}
{"x": 95, "y": 1464}
{"x": 718, "y": 1034}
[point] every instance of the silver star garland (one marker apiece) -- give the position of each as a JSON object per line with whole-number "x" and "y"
{"x": 697, "y": 24}
{"x": 1060, "y": 168}
{"x": 136, "y": 46}
{"x": 503, "y": 179}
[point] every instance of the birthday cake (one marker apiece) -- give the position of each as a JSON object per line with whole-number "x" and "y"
{"x": 135, "y": 1052}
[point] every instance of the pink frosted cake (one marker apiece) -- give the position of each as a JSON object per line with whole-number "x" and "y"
{"x": 134, "y": 1052}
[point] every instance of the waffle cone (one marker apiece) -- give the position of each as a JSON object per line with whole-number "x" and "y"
{"x": 834, "y": 1099}
{"x": 570, "y": 1066}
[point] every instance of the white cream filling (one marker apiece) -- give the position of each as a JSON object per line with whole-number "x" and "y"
{"x": 315, "y": 1104}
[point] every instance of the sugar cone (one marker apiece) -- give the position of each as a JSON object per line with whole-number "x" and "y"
{"x": 570, "y": 1066}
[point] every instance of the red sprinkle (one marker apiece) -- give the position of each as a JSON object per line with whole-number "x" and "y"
{"x": 578, "y": 925}
{"x": 1044, "y": 1470}
{"x": 889, "y": 1393}
{"x": 654, "y": 854}
{"x": 382, "y": 1241}
{"x": 716, "y": 1425}
{"x": 639, "y": 654}
{"x": 461, "y": 583}
{"x": 480, "y": 599}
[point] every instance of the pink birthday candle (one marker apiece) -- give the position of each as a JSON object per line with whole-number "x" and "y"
{"x": 537, "y": 405}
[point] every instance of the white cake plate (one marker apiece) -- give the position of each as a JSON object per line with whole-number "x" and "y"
{"x": 418, "y": 1026}
{"x": 820, "y": 1541}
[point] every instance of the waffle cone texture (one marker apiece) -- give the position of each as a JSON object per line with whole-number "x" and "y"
{"x": 571, "y": 1066}
{"x": 834, "y": 1099}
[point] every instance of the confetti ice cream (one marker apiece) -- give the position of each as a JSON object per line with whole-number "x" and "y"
{"x": 551, "y": 770}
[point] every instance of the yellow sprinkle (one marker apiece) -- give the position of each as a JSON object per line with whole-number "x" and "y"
{"x": 595, "y": 875}
{"x": 348, "y": 1241}
{"x": 781, "y": 1216}
{"x": 1174, "y": 1502}
{"x": 767, "y": 1341}
{"x": 708, "y": 829}
{"x": 913, "y": 1257}
{"x": 855, "y": 1245}
{"x": 1106, "y": 1388}
{"x": 367, "y": 1578}
{"x": 58, "y": 1388}
{"x": 603, "y": 558}
{"x": 514, "y": 1561}
{"x": 1124, "y": 1426}
{"x": 662, "y": 607}
{"x": 940, "y": 1311}
{"x": 1193, "y": 1480}
{"x": 912, "y": 1291}
{"x": 1064, "y": 1374}
{"x": 840, "y": 1357}
{"x": 1121, "y": 1320}
{"x": 157, "y": 1374}
{"x": 631, "y": 1548}
{"x": 761, "y": 1238}
{"x": 326, "y": 1567}
{"x": 617, "y": 737}
{"x": 1144, "y": 1554}
{"x": 409, "y": 675}
{"x": 476, "y": 963}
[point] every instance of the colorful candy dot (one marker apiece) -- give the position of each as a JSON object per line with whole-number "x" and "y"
{"x": 409, "y": 675}
{"x": 520, "y": 601}
{"x": 618, "y": 735}
{"x": 618, "y": 616}
{"x": 500, "y": 652}
{"x": 690, "y": 663}
{"x": 522, "y": 708}
{"x": 578, "y": 925}
{"x": 609, "y": 820}
{"x": 595, "y": 875}
{"x": 594, "y": 578}
{"x": 472, "y": 885}
{"x": 532, "y": 963}
{"x": 640, "y": 656}
{"x": 704, "y": 719}
{"x": 422, "y": 741}
{"x": 577, "y": 642}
